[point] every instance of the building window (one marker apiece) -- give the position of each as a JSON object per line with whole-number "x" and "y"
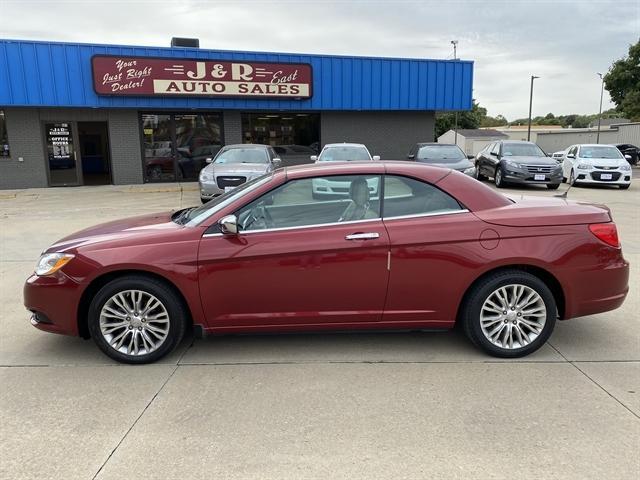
{"x": 290, "y": 134}
{"x": 4, "y": 139}
{"x": 176, "y": 146}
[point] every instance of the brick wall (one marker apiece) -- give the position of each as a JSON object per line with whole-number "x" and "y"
{"x": 26, "y": 141}
{"x": 388, "y": 134}
{"x": 126, "y": 150}
{"x": 232, "y": 127}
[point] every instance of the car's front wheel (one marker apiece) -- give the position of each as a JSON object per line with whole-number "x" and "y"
{"x": 479, "y": 176}
{"x": 500, "y": 183}
{"x": 136, "y": 319}
{"x": 572, "y": 179}
{"x": 509, "y": 314}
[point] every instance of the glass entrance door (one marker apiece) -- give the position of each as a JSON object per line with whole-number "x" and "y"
{"x": 61, "y": 154}
{"x": 159, "y": 155}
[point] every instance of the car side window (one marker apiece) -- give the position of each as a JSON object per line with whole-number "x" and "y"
{"x": 405, "y": 196}
{"x": 487, "y": 149}
{"x": 314, "y": 201}
{"x": 496, "y": 149}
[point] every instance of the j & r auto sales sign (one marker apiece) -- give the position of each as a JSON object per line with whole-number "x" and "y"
{"x": 144, "y": 76}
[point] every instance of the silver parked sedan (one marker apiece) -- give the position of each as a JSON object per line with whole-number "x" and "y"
{"x": 235, "y": 165}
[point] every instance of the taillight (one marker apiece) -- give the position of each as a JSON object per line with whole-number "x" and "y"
{"x": 606, "y": 232}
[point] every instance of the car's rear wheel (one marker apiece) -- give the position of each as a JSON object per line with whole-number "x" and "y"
{"x": 500, "y": 183}
{"x": 553, "y": 186}
{"x": 509, "y": 314}
{"x": 136, "y": 319}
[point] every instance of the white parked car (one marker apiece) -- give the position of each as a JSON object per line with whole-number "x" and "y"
{"x": 559, "y": 156}
{"x": 596, "y": 164}
{"x": 342, "y": 152}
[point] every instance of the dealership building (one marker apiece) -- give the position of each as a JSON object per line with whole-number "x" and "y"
{"x": 89, "y": 114}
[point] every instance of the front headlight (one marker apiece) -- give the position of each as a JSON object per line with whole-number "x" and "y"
{"x": 469, "y": 171}
{"x": 512, "y": 164}
{"x": 50, "y": 263}
{"x": 626, "y": 167}
{"x": 206, "y": 175}
{"x": 584, "y": 166}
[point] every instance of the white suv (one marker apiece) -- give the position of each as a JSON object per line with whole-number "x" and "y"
{"x": 596, "y": 164}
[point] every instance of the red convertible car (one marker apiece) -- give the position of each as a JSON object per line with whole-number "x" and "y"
{"x": 429, "y": 248}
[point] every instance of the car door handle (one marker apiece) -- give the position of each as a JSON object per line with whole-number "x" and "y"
{"x": 362, "y": 236}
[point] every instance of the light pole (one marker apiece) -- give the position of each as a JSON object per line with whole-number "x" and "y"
{"x": 533, "y": 77}
{"x": 455, "y": 124}
{"x": 600, "y": 113}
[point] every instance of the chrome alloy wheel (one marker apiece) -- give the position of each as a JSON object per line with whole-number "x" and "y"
{"x": 134, "y": 322}
{"x": 513, "y": 316}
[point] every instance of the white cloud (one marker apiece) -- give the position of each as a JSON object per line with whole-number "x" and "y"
{"x": 565, "y": 42}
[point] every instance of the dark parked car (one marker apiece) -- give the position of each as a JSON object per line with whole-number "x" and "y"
{"x": 436, "y": 248}
{"x": 517, "y": 162}
{"x": 442, "y": 155}
{"x": 630, "y": 152}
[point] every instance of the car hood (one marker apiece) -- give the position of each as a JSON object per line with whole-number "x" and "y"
{"x": 526, "y": 160}
{"x": 603, "y": 162}
{"x": 246, "y": 169}
{"x": 143, "y": 225}
{"x": 461, "y": 165}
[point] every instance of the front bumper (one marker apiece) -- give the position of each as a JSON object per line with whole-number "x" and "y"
{"x": 209, "y": 190}
{"x": 618, "y": 177}
{"x": 529, "y": 178}
{"x": 53, "y": 302}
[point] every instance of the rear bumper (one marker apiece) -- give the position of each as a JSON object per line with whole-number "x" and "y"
{"x": 596, "y": 290}
{"x": 53, "y": 303}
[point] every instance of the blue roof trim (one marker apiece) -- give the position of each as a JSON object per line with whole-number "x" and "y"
{"x": 56, "y": 74}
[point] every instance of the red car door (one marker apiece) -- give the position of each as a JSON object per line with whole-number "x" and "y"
{"x": 300, "y": 258}
{"x": 434, "y": 253}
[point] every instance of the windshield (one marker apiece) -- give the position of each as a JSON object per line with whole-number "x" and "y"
{"x": 242, "y": 155}
{"x": 521, "y": 150}
{"x": 599, "y": 152}
{"x": 344, "y": 153}
{"x": 193, "y": 216}
{"x": 442, "y": 154}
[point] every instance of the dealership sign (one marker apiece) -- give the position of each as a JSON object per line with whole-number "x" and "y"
{"x": 144, "y": 76}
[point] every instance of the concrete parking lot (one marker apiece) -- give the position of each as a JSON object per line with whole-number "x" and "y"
{"x": 396, "y": 405}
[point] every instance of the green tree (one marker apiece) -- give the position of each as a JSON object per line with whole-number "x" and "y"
{"x": 497, "y": 121}
{"x": 467, "y": 119}
{"x": 623, "y": 83}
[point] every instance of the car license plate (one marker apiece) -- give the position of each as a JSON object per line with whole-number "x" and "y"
{"x": 539, "y": 177}
{"x": 228, "y": 189}
{"x": 606, "y": 176}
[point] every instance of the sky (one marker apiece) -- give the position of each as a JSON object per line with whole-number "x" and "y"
{"x": 563, "y": 42}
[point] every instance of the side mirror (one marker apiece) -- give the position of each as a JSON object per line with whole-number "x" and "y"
{"x": 208, "y": 160}
{"x": 314, "y": 158}
{"x": 276, "y": 161}
{"x": 493, "y": 154}
{"x": 376, "y": 158}
{"x": 229, "y": 225}
{"x": 571, "y": 155}
{"x": 628, "y": 157}
{"x": 411, "y": 157}
{"x": 470, "y": 157}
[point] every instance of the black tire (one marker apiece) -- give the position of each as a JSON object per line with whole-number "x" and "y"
{"x": 482, "y": 290}
{"x": 572, "y": 179}
{"x": 624, "y": 187}
{"x": 480, "y": 177}
{"x": 553, "y": 186}
{"x": 154, "y": 173}
{"x": 499, "y": 181}
{"x": 204, "y": 200}
{"x": 168, "y": 298}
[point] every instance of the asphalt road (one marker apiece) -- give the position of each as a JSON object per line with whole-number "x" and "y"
{"x": 352, "y": 406}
